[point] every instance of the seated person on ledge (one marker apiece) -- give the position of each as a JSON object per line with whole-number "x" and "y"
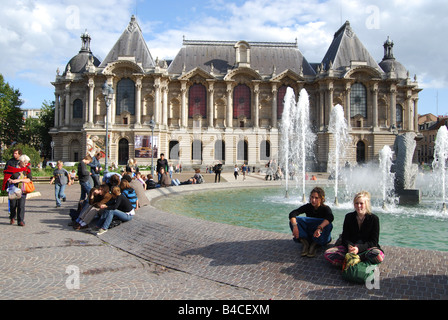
{"x": 314, "y": 229}
{"x": 360, "y": 234}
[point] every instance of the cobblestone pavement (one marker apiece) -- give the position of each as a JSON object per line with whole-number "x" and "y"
{"x": 163, "y": 256}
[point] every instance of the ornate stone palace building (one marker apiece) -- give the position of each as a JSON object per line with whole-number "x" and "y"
{"x": 223, "y": 100}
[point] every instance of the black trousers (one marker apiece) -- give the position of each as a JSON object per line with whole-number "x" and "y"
{"x": 17, "y": 209}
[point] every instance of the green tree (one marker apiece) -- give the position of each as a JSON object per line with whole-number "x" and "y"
{"x": 11, "y": 116}
{"x": 46, "y": 122}
{"x": 30, "y": 133}
{"x": 26, "y": 149}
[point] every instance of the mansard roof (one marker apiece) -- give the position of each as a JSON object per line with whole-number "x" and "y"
{"x": 345, "y": 49}
{"x": 218, "y": 57}
{"x": 131, "y": 44}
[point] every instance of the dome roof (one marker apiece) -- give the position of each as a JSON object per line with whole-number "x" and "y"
{"x": 78, "y": 63}
{"x": 389, "y": 65}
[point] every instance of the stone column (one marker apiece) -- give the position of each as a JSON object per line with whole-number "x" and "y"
{"x": 165, "y": 105}
{"x": 138, "y": 102}
{"x": 156, "y": 101}
{"x": 67, "y": 105}
{"x": 393, "y": 106}
{"x": 375, "y": 106}
{"x": 229, "y": 106}
{"x": 91, "y": 96}
{"x": 210, "y": 114}
{"x": 416, "y": 114}
{"x": 274, "y": 111}
{"x": 321, "y": 109}
{"x": 56, "y": 109}
{"x": 348, "y": 91}
{"x": 184, "y": 113}
{"x": 256, "y": 115}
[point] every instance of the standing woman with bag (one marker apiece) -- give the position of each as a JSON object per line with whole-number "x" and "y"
{"x": 21, "y": 175}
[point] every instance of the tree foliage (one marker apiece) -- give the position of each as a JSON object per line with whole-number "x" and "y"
{"x": 11, "y": 116}
{"x": 26, "y": 149}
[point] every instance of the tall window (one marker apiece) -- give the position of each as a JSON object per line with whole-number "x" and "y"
{"x": 220, "y": 150}
{"x": 197, "y": 101}
{"x": 125, "y": 96}
{"x": 399, "y": 112}
{"x": 196, "y": 150}
{"x": 280, "y": 96}
{"x": 358, "y": 100}
{"x": 241, "y": 101}
{"x": 174, "y": 150}
{"x": 265, "y": 150}
{"x": 77, "y": 109}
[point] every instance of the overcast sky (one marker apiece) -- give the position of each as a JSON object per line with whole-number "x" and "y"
{"x": 38, "y": 37}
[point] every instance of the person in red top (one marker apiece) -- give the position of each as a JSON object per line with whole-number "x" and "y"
{"x": 18, "y": 176}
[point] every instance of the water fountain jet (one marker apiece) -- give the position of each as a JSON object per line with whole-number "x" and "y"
{"x": 440, "y": 158}
{"x": 338, "y": 127}
{"x": 297, "y": 136}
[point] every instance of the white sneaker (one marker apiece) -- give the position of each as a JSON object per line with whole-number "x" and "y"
{"x": 101, "y": 231}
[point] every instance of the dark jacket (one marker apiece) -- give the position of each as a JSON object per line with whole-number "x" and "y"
{"x": 121, "y": 203}
{"x": 162, "y": 164}
{"x": 83, "y": 172}
{"x": 364, "y": 238}
{"x": 323, "y": 212}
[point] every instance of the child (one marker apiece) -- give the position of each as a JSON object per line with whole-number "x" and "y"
{"x": 61, "y": 179}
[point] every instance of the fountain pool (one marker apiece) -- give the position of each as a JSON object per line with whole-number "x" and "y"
{"x": 423, "y": 227}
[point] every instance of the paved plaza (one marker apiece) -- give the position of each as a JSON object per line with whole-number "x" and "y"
{"x": 165, "y": 256}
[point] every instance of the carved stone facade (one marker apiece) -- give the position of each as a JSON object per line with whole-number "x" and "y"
{"x": 222, "y": 101}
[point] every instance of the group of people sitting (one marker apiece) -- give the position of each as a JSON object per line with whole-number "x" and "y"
{"x": 360, "y": 232}
{"x": 114, "y": 201}
{"x": 165, "y": 180}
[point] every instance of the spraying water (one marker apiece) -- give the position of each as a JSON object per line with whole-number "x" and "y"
{"x": 338, "y": 127}
{"x": 440, "y": 158}
{"x": 288, "y": 105}
{"x": 387, "y": 177}
{"x": 298, "y": 138}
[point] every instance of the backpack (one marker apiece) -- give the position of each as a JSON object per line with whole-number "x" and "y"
{"x": 355, "y": 270}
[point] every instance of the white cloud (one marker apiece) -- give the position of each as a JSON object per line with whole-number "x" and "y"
{"x": 40, "y": 36}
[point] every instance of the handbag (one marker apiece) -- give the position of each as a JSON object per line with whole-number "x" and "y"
{"x": 29, "y": 187}
{"x": 14, "y": 193}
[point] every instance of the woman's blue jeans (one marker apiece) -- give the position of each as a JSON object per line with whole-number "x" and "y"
{"x": 108, "y": 216}
{"x": 307, "y": 227}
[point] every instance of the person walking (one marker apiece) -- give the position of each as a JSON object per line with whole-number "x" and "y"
{"x": 61, "y": 179}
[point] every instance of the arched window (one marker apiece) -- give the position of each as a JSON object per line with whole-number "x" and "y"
{"x": 265, "y": 150}
{"x": 174, "y": 150}
{"x": 242, "y": 150}
{"x": 220, "y": 150}
{"x": 77, "y": 109}
{"x": 241, "y": 101}
{"x": 123, "y": 152}
{"x": 399, "y": 112}
{"x": 360, "y": 152}
{"x": 197, "y": 101}
{"x": 125, "y": 96}
{"x": 280, "y": 103}
{"x": 196, "y": 150}
{"x": 358, "y": 100}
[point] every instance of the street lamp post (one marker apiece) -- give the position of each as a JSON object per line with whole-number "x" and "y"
{"x": 52, "y": 150}
{"x": 152, "y": 125}
{"x": 108, "y": 93}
